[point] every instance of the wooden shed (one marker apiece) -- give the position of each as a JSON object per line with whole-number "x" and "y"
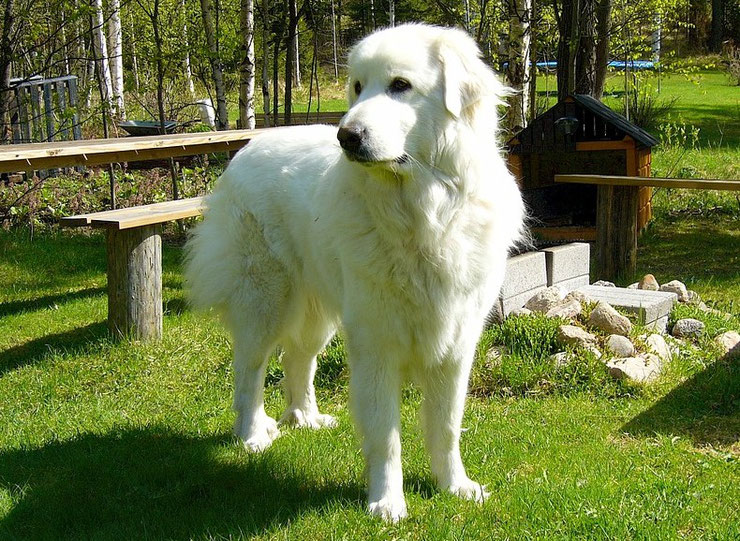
{"x": 578, "y": 135}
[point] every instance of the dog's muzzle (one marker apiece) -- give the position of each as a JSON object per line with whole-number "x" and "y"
{"x": 352, "y": 139}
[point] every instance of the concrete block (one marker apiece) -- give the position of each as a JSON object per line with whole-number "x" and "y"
{"x": 573, "y": 283}
{"x": 650, "y": 307}
{"x": 526, "y": 274}
{"x": 567, "y": 262}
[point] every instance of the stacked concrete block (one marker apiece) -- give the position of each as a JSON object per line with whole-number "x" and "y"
{"x": 526, "y": 274}
{"x": 651, "y": 307}
{"x": 568, "y": 265}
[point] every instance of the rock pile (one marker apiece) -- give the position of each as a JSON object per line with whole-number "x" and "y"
{"x": 640, "y": 358}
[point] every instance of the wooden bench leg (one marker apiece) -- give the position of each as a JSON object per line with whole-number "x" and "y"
{"x": 616, "y": 231}
{"x": 135, "y": 282}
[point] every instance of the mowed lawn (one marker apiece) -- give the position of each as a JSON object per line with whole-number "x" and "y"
{"x": 121, "y": 440}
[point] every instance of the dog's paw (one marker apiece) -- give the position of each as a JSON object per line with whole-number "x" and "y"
{"x": 260, "y": 435}
{"x": 390, "y": 509}
{"x": 469, "y": 490}
{"x": 298, "y": 418}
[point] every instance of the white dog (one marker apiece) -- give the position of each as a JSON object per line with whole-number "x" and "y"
{"x": 396, "y": 227}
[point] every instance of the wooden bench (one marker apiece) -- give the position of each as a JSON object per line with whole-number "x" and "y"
{"x": 134, "y": 262}
{"x": 617, "y": 199}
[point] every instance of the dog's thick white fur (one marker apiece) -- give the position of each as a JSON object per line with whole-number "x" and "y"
{"x": 400, "y": 236}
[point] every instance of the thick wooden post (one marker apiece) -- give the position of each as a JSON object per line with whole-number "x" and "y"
{"x": 135, "y": 282}
{"x": 616, "y": 231}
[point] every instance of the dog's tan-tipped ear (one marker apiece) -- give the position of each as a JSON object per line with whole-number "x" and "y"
{"x": 468, "y": 81}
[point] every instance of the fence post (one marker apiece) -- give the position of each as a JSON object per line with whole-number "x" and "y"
{"x": 616, "y": 231}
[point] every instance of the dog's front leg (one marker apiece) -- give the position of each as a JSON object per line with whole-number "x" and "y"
{"x": 444, "y": 387}
{"x": 375, "y": 402}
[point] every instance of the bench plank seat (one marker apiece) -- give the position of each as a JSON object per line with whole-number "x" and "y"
{"x": 127, "y": 218}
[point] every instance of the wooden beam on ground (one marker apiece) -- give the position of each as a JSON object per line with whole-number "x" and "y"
{"x": 30, "y": 156}
{"x": 688, "y": 183}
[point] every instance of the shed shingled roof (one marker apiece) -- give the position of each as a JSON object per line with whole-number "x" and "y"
{"x": 633, "y": 130}
{"x": 594, "y": 107}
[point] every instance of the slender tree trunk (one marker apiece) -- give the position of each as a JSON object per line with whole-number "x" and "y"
{"x": 222, "y": 120}
{"x": 101, "y": 52}
{"x": 372, "y": 14}
{"x": 518, "y": 69}
{"x": 134, "y": 57}
{"x": 105, "y": 114}
{"x": 532, "y": 61}
{"x": 265, "y": 58}
{"x": 292, "y": 27}
{"x": 246, "y": 67}
{"x": 296, "y": 49}
{"x": 334, "y": 41}
{"x": 603, "y": 31}
{"x": 186, "y": 61}
{"x": 115, "y": 41}
{"x": 718, "y": 26}
{"x": 6, "y": 58}
{"x": 392, "y": 14}
{"x": 466, "y": 6}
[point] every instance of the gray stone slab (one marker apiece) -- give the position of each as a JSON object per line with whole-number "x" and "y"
{"x": 573, "y": 283}
{"x": 649, "y": 306}
{"x": 525, "y": 272}
{"x": 567, "y": 261}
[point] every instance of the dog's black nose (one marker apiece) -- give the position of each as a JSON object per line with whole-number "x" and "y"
{"x": 351, "y": 138}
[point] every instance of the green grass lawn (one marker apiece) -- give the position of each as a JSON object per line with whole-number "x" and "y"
{"x": 119, "y": 440}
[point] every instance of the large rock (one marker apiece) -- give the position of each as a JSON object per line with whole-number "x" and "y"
{"x": 648, "y": 282}
{"x": 620, "y": 345}
{"x": 577, "y": 295}
{"x": 607, "y": 319}
{"x": 544, "y": 300}
{"x": 729, "y": 344}
{"x": 677, "y": 287}
{"x": 639, "y": 369}
{"x": 565, "y": 310}
{"x": 688, "y": 328}
{"x": 657, "y": 345}
{"x": 570, "y": 335}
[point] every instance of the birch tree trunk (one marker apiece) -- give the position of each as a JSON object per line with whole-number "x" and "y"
{"x": 134, "y": 57}
{"x": 392, "y": 13}
{"x": 246, "y": 67}
{"x": 186, "y": 60}
{"x": 296, "y": 52}
{"x": 518, "y": 69}
{"x": 292, "y": 27}
{"x": 115, "y": 42}
{"x": 334, "y": 40}
{"x": 101, "y": 52}
{"x": 222, "y": 120}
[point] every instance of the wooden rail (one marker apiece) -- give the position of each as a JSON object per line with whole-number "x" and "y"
{"x": 687, "y": 183}
{"x": 616, "y": 215}
{"x": 32, "y": 156}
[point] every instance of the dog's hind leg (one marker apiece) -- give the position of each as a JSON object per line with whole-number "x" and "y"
{"x": 299, "y": 364}
{"x": 253, "y": 426}
{"x": 444, "y": 388}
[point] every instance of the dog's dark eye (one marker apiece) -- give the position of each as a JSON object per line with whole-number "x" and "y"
{"x": 358, "y": 88}
{"x": 399, "y": 85}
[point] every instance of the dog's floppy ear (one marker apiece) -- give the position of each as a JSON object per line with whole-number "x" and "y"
{"x": 469, "y": 83}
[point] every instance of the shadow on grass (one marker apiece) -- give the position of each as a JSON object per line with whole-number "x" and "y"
{"x": 175, "y": 306}
{"x": 151, "y": 483}
{"x": 33, "y": 351}
{"x": 705, "y": 408}
{"x": 16, "y": 307}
